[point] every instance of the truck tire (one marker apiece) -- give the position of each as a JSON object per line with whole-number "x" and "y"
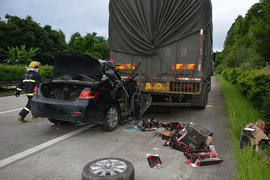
{"x": 205, "y": 96}
{"x": 205, "y": 100}
{"x": 111, "y": 121}
{"x": 108, "y": 169}
{"x": 201, "y": 101}
{"x": 209, "y": 85}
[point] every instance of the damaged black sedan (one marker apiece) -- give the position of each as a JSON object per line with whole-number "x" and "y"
{"x": 86, "y": 91}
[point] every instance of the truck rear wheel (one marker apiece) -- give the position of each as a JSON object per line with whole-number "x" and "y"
{"x": 209, "y": 85}
{"x": 200, "y": 101}
{"x": 205, "y": 96}
{"x": 205, "y": 100}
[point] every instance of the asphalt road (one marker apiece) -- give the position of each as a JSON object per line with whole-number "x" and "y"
{"x": 65, "y": 160}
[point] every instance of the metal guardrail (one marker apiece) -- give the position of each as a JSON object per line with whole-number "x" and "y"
{"x": 8, "y": 84}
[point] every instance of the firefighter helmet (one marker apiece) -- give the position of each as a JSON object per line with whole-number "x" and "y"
{"x": 34, "y": 64}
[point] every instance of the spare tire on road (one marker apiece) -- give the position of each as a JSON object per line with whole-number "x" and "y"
{"x": 108, "y": 169}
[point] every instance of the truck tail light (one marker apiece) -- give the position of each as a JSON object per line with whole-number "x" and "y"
{"x": 87, "y": 94}
{"x": 35, "y": 91}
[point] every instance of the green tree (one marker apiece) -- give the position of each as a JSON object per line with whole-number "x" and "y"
{"x": 262, "y": 32}
{"x": 20, "y": 55}
{"x": 96, "y": 46}
{"x": 247, "y": 42}
{"x": 17, "y": 32}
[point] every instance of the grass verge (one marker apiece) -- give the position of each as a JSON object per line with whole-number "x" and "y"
{"x": 240, "y": 111}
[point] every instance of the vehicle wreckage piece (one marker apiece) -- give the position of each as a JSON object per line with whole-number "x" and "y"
{"x": 154, "y": 161}
{"x": 192, "y": 139}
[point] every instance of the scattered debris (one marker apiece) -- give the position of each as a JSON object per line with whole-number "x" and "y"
{"x": 154, "y": 161}
{"x": 255, "y": 133}
{"x": 204, "y": 158}
{"x": 160, "y": 131}
{"x": 192, "y": 139}
{"x": 132, "y": 129}
{"x": 265, "y": 158}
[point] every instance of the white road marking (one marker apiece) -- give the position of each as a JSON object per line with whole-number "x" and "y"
{"x": 40, "y": 147}
{"x": 10, "y": 111}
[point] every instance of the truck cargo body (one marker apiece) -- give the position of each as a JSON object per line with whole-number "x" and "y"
{"x": 176, "y": 60}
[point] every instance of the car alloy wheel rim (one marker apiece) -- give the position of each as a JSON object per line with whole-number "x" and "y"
{"x": 112, "y": 117}
{"x": 108, "y": 167}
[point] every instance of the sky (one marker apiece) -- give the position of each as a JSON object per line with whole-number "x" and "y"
{"x": 87, "y": 16}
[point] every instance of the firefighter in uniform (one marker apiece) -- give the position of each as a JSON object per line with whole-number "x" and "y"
{"x": 29, "y": 80}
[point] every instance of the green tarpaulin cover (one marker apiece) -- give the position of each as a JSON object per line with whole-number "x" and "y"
{"x": 141, "y": 26}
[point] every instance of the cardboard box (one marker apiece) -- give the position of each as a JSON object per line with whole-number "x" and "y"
{"x": 255, "y": 136}
{"x": 193, "y": 138}
{"x": 202, "y": 130}
{"x": 208, "y": 140}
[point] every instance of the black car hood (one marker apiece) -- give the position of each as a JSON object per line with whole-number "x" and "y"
{"x": 76, "y": 63}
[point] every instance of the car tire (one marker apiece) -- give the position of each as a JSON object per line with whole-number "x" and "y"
{"x": 111, "y": 121}
{"x": 57, "y": 122}
{"x": 108, "y": 169}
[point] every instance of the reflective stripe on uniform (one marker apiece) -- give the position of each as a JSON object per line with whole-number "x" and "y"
{"x": 29, "y": 94}
{"x": 25, "y": 108}
{"x": 29, "y": 80}
{"x": 19, "y": 89}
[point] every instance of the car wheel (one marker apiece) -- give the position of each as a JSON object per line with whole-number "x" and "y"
{"x": 112, "y": 119}
{"x": 109, "y": 169}
{"x": 57, "y": 122}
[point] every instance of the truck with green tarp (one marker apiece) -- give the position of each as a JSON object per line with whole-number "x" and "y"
{"x": 172, "y": 42}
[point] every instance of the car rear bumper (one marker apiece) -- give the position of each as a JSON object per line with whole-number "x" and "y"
{"x": 78, "y": 112}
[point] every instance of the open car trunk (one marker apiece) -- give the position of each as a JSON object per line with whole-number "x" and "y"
{"x": 74, "y": 72}
{"x": 65, "y": 91}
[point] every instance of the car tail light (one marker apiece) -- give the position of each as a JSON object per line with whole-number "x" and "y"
{"x": 35, "y": 91}
{"x": 87, "y": 94}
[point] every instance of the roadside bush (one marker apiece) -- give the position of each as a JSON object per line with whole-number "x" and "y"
{"x": 231, "y": 74}
{"x": 219, "y": 69}
{"x": 245, "y": 81}
{"x": 254, "y": 84}
{"x": 13, "y": 73}
{"x": 265, "y": 109}
{"x": 46, "y": 72}
{"x": 258, "y": 91}
{"x": 225, "y": 73}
